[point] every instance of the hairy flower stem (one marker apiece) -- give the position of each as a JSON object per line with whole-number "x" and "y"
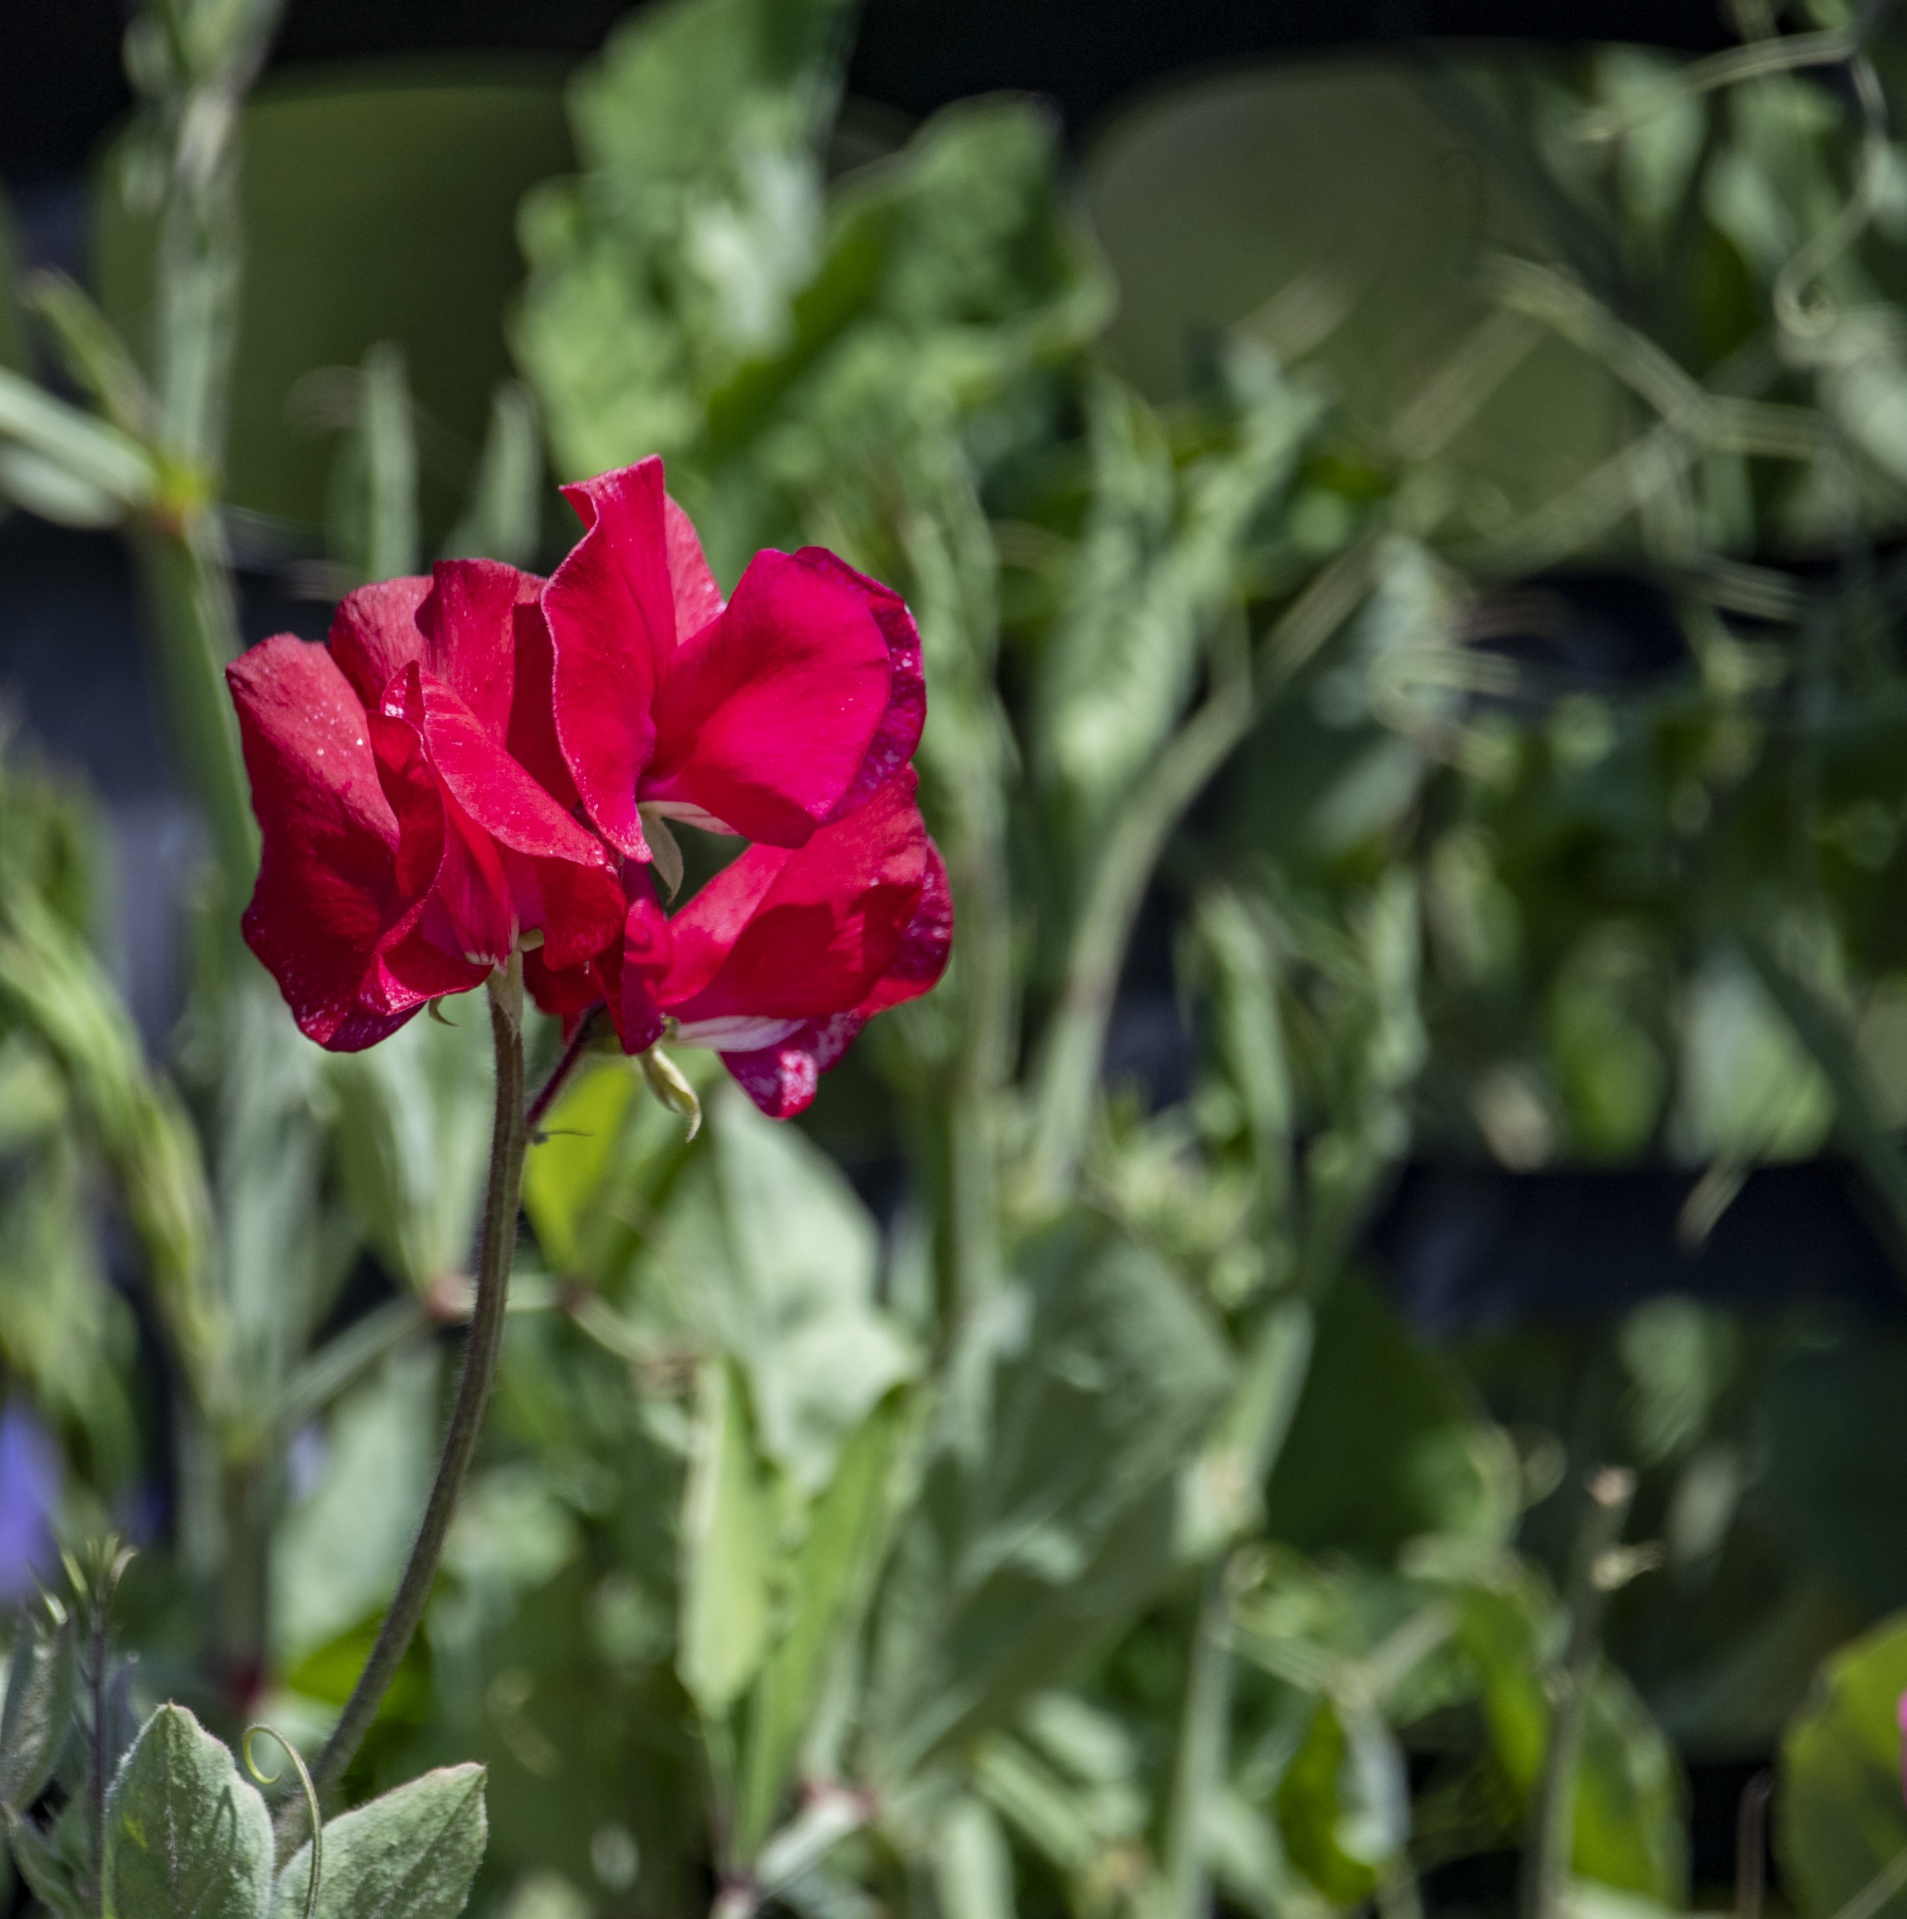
{"x": 1546, "y": 1854}
{"x": 485, "y": 1345}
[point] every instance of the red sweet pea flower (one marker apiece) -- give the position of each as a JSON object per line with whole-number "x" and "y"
{"x": 439, "y": 781}
{"x": 406, "y": 850}
{"x": 769, "y": 717}
{"x": 783, "y": 956}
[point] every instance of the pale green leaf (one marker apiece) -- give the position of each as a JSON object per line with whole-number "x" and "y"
{"x": 41, "y": 1680}
{"x": 48, "y": 1873}
{"x": 728, "y": 1522}
{"x": 94, "y": 454}
{"x": 1049, "y": 1511}
{"x": 340, "y": 1549}
{"x": 410, "y": 1854}
{"x": 1839, "y": 1816}
{"x": 973, "y": 1868}
{"x": 834, "y": 1568}
{"x": 186, "y": 1837}
{"x": 564, "y": 1172}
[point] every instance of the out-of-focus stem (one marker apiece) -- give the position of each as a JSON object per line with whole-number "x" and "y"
{"x": 188, "y": 591}
{"x": 198, "y": 85}
{"x": 1115, "y": 888}
{"x": 981, "y": 883}
{"x": 1104, "y": 930}
{"x": 1546, "y": 1854}
{"x": 1204, "y": 1734}
{"x": 502, "y": 1195}
{"x": 579, "y": 1043}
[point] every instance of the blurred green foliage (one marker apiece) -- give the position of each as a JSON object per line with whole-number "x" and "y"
{"x": 1082, "y": 1531}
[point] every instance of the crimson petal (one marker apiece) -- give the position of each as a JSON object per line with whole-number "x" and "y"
{"x": 898, "y": 733}
{"x": 796, "y": 934}
{"x": 633, "y": 585}
{"x": 765, "y": 718}
{"x": 550, "y": 871}
{"x": 468, "y": 621}
{"x": 375, "y": 635}
{"x": 328, "y": 897}
{"x": 781, "y": 1079}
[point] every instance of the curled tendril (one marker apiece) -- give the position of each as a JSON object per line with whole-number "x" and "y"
{"x": 1799, "y": 316}
{"x": 1792, "y": 54}
{"x": 311, "y": 1801}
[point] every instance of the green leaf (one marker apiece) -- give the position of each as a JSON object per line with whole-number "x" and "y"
{"x": 834, "y": 1568}
{"x": 186, "y": 1837}
{"x": 96, "y": 358}
{"x": 412, "y": 1139}
{"x": 52, "y": 985}
{"x": 48, "y": 1873}
{"x": 785, "y": 1260}
{"x": 973, "y": 1867}
{"x": 1342, "y": 1804}
{"x": 372, "y": 509}
{"x": 1161, "y": 561}
{"x": 340, "y": 1549}
{"x": 1629, "y": 1830}
{"x": 90, "y": 452}
{"x": 728, "y": 1525}
{"x": 53, "y": 491}
{"x": 1839, "y": 1816}
{"x": 411, "y": 1854}
{"x": 1380, "y": 1448}
{"x": 564, "y": 1172}
{"x": 1050, "y": 1507}
{"x": 41, "y": 1683}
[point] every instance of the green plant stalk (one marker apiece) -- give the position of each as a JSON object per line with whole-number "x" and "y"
{"x": 96, "y": 1768}
{"x": 978, "y": 874}
{"x": 502, "y": 1196}
{"x": 1823, "y": 1034}
{"x": 1116, "y": 888}
{"x": 1544, "y": 1875}
{"x": 1198, "y": 1770}
{"x": 197, "y": 273}
{"x": 1104, "y": 930}
{"x": 967, "y": 753}
{"x": 189, "y": 601}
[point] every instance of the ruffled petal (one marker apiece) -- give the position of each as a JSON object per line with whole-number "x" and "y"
{"x": 781, "y": 1078}
{"x": 898, "y": 733}
{"x": 375, "y": 635}
{"x": 328, "y": 893}
{"x": 803, "y": 933}
{"x": 921, "y": 957}
{"x": 531, "y": 737}
{"x": 697, "y": 598}
{"x": 468, "y": 620}
{"x": 629, "y": 589}
{"x": 766, "y": 717}
{"x": 550, "y": 874}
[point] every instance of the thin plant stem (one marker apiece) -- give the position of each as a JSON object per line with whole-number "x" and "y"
{"x": 1132, "y": 847}
{"x": 579, "y": 1043}
{"x": 502, "y": 1196}
{"x": 1546, "y": 1856}
{"x": 1878, "y": 1890}
{"x": 1204, "y": 1735}
{"x": 1751, "y": 1845}
{"x": 102, "y": 1631}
